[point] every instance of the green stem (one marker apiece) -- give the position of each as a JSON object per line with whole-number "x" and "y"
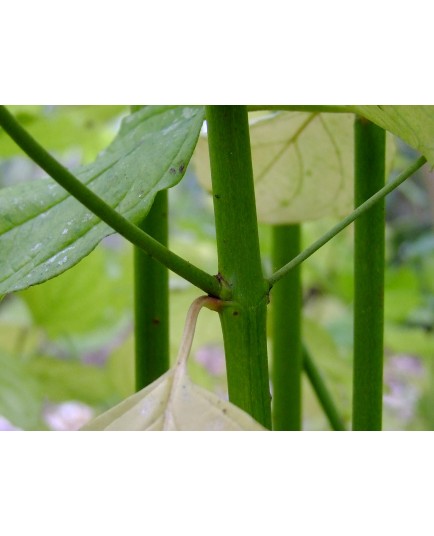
{"x": 323, "y": 395}
{"x": 301, "y": 108}
{"x": 151, "y": 305}
{"x": 244, "y": 321}
{"x": 390, "y": 186}
{"x": 106, "y": 213}
{"x": 368, "y": 278}
{"x": 286, "y": 303}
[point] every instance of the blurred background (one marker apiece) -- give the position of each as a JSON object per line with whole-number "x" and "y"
{"x": 66, "y": 346}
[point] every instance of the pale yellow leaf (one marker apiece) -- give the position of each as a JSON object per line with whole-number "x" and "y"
{"x": 173, "y": 401}
{"x": 174, "y": 405}
{"x": 302, "y": 164}
{"x": 413, "y": 124}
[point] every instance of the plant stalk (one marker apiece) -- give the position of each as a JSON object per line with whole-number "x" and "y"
{"x": 286, "y": 303}
{"x": 389, "y": 187}
{"x": 368, "y": 278}
{"x": 244, "y": 320}
{"x": 321, "y": 391}
{"x": 151, "y": 300}
{"x": 208, "y": 283}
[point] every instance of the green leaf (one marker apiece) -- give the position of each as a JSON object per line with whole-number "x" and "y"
{"x": 413, "y": 124}
{"x": 61, "y": 128}
{"x": 411, "y": 341}
{"x": 92, "y": 296}
{"x": 63, "y": 380}
{"x": 20, "y": 394}
{"x": 321, "y": 344}
{"x": 44, "y": 231}
{"x": 402, "y": 294}
{"x": 174, "y": 402}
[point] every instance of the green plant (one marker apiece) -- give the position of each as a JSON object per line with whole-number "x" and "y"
{"x": 280, "y": 157}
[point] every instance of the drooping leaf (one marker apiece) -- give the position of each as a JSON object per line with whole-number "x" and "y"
{"x": 121, "y": 361}
{"x": 44, "y": 231}
{"x": 413, "y": 124}
{"x": 302, "y": 165}
{"x": 174, "y": 402}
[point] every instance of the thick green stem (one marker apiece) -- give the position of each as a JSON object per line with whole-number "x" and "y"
{"x": 368, "y": 278}
{"x": 286, "y": 303}
{"x": 322, "y": 394}
{"x": 106, "y": 213}
{"x": 151, "y": 293}
{"x": 244, "y": 321}
{"x": 390, "y": 186}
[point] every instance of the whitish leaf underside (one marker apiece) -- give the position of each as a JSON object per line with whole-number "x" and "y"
{"x": 174, "y": 404}
{"x": 302, "y": 164}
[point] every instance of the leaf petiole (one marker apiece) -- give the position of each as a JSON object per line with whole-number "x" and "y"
{"x": 190, "y": 325}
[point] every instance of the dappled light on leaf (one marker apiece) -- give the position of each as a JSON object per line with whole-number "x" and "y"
{"x": 174, "y": 402}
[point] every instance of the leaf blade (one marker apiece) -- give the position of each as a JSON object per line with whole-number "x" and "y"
{"x": 172, "y": 405}
{"x": 413, "y": 124}
{"x": 302, "y": 164}
{"x": 150, "y": 153}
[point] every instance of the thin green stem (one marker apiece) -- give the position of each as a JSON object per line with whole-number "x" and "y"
{"x": 106, "y": 213}
{"x": 301, "y": 108}
{"x": 244, "y": 321}
{"x": 151, "y": 300}
{"x": 368, "y": 278}
{"x": 390, "y": 186}
{"x": 286, "y": 304}
{"x": 321, "y": 391}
